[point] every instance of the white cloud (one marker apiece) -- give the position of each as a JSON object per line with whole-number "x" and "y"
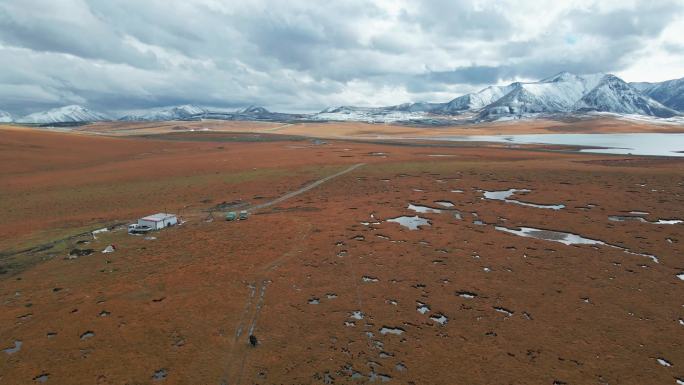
{"x": 300, "y": 55}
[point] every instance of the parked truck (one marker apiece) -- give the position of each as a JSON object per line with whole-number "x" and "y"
{"x": 234, "y": 216}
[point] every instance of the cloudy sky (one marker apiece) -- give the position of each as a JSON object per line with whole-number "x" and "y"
{"x": 303, "y": 55}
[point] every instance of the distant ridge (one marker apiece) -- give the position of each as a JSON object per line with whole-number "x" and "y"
{"x": 564, "y": 93}
{"x": 66, "y": 114}
{"x": 181, "y": 112}
{"x": 670, "y": 93}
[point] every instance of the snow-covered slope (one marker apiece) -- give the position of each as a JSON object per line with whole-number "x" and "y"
{"x": 669, "y": 93}
{"x": 477, "y": 100}
{"x": 570, "y": 93}
{"x": 253, "y": 110}
{"x": 556, "y": 94}
{"x": 402, "y": 112}
{"x": 66, "y": 114}
{"x": 642, "y": 87}
{"x": 612, "y": 94}
{"x": 192, "y": 112}
{"x": 5, "y": 117}
{"x": 261, "y": 113}
{"x": 182, "y": 112}
{"x": 414, "y": 107}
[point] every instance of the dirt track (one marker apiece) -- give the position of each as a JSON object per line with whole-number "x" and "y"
{"x": 303, "y": 189}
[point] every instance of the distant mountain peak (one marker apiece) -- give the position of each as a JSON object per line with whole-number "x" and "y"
{"x": 253, "y": 109}
{"x": 613, "y": 94}
{"x": 670, "y": 92}
{"x": 559, "y": 77}
{"x": 180, "y": 112}
{"x": 72, "y": 108}
{"x": 338, "y": 109}
{"x": 67, "y": 114}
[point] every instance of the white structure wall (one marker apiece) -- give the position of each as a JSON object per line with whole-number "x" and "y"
{"x": 158, "y": 221}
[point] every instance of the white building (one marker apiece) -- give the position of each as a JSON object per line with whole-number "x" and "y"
{"x": 158, "y": 221}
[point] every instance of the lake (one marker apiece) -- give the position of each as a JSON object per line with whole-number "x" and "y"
{"x": 636, "y": 144}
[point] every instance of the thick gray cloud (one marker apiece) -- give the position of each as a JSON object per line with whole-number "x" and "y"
{"x": 300, "y": 55}
{"x": 459, "y": 19}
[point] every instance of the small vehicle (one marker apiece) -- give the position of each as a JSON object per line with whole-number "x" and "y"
{"x": 138, "y": 229}
{"x": 231, "y": 216}
{"x": 243, "y": 215}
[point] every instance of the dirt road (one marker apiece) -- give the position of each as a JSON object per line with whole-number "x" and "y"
{"x": 303, "y": 189}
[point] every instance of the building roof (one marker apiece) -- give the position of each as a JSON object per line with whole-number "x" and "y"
{"x": 158, "y": 217}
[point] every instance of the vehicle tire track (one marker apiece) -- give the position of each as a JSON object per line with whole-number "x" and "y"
{"x": 252, "y": 293}
{"x": 303, "y": 189}
{"x": 259, "y": 305}
{"x": 234, "y": 354}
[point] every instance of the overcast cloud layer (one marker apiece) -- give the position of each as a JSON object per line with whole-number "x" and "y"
{"x": 302, "y": 55}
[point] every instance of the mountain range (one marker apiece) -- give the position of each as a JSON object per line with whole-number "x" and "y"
{"x": 670, "y": 93}
{"x": 170, "y": 113}
{"x": 66, "y": 114}
{"x": 562, "y": 94}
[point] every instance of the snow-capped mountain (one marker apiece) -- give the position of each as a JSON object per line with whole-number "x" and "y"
{"x": 5, "y": 117}
{"x": 253, "y": 110}
{"x": 669, "y": 93}
{"x": 557, "y": 94}
{"x": 612, "y": 94}
{"x": 418, "y": 110}
{"x": 416, "y": 107}
{"x": 183, "y": 112}
{"x": 476, "y": 100}
{"x": 66, "y": 114}
{"x": 402, "y": 112}
{"x": 563, "y": 93}
{"x": 571, "y": 93}
{"x": 192, "y": 112}
{"x": 260, "y": 113}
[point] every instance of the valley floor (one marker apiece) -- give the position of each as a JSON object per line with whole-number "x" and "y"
{"x": 333, "y": 290}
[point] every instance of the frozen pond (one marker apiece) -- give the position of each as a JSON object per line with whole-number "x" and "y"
{"x": 668, "y": 222}
{"x": 16, "y": 348}
{"x": 548, "y": 235}
{"x": 423, "y": 209}
{"x": 636, "y": 144}
{"x": 566, "y": 238}
{"x": 391, "y": 330}
{"x": 625, "y": 218}
{"x": 357, "y": 314}
{"x": 504, "y": 195}
{"x": 440, "y": 318}
{"x": 466, "y": 294}
{"x": 422, "y": 308}
{"x": 411, "y": 223}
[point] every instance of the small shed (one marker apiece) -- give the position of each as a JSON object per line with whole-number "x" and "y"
{"x": 158, "y": 221}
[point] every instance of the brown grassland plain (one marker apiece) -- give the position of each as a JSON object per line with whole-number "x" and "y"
{"x": 329, "y": 287}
